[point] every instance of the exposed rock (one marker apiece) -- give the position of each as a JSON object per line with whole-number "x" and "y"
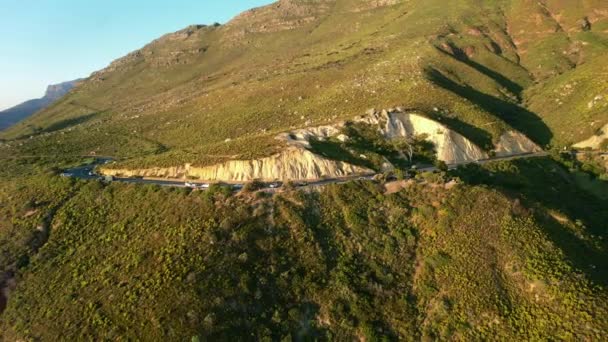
{"x": 595, "y": 141}
{"x": 585, "y": 24}
{"x": 450, "y": 146}
{"x": 513, "y": 143}
{"x": 298, "y": 163}
{"x": 301, "y": 137}
{"x": 294, "y": 163}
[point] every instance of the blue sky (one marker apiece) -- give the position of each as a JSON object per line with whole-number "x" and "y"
{"x": 50, "y": 41}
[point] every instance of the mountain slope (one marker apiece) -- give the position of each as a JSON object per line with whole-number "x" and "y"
{"x": 11, "y": 116}
{"x": 512, "y": 250}
{"x": 424, "y": 259}
{"x": 300, "y": 63}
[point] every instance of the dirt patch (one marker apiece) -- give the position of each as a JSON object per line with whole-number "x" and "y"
{"x": 30, "y": 213}
{"x": 394, "y": 187}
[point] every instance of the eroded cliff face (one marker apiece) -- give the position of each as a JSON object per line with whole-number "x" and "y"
{"x": 450, "y": 146}
{"x": 595, "y": 141}
{"x": 295, "y": 163}
{"x": 513, "y": 143}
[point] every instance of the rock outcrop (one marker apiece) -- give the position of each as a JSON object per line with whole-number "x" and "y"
{"x": 295, "y": 163}
{"x": 513, "y": 143}
{"x": 595, "y": 141}
{"x": 302, "y": 137}
{"x": 450, "y": 146}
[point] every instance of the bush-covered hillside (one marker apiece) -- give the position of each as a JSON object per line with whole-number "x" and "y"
{"x": 490, "y": 256}
{"x": 511, "y": 250}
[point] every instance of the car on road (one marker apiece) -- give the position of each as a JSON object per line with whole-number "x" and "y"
{"x": 274, "y": 185}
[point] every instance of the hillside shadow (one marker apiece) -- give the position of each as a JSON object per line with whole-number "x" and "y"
{"x": 499, "y": 78}
{"x": 544, "y": 184}
{"x": 67, "y": 123}
{"x": 518, "y": 117}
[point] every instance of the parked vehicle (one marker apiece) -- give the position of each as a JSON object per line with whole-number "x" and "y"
{"x": 274, "y": 185}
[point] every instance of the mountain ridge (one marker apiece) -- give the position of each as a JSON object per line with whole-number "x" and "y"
{"x": 22, "y": 111}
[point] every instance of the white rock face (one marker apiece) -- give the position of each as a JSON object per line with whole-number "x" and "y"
{"x": 513, "y": 143}
{"x": 301, "y": 137}
{"x": 595, "y": 141}
{"x": 451, "y": 147}
{"x": 296, "y": 162}
{"x": 292, "y": 164}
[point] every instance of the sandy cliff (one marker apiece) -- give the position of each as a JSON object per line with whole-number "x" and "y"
{"x": 512, "y": 143}
{"x": 450, "y": 146}
{"x": 294, "y": 163}
{"x": 297, "y": 162}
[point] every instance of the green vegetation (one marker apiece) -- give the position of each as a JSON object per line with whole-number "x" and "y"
{"x": 367, "y": 147}
{"x": 511, "y": 250}
{"x": 143, "y": 262}
{"x": 207, "y": 93}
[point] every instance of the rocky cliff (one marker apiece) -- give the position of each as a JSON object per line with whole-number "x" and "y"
{"x": 450, "y": 146}
{"x": 513, "y": 143}
{"x": 295, "y": 163}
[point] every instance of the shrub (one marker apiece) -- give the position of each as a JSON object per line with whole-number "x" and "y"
{"x": 253, "y": 186}
{"x": 441, "y": 165}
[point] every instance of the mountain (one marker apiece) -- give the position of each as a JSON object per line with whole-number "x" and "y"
{"x": 11, "y": 116}
{"x": 504, "y": 239}
{"x": 209, "y": 94}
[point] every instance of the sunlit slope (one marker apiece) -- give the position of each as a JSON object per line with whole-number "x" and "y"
{"x": 304, "y": 63}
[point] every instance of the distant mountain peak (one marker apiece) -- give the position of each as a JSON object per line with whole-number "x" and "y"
{"x": 13, "y": 115}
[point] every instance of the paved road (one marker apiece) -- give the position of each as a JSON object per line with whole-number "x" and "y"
{"x": 87, "y": 172}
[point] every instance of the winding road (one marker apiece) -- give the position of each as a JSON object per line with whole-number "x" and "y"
{"x": 87, "y": 172}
